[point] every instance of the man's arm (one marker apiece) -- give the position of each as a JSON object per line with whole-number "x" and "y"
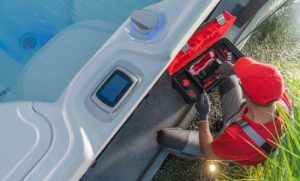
{"x": 205, "y": 137}
{"x": 203, "y": 108}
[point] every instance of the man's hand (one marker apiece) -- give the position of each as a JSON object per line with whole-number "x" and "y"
{"x": 226, "y": 69}
{"x": 203, "y": 107}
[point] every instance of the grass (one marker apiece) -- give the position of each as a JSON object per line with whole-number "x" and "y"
{"x": 276, "y": 42}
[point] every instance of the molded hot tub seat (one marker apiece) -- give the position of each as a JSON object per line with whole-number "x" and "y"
{"x": 65, "y": 55}
{"x": 25, "y": 135}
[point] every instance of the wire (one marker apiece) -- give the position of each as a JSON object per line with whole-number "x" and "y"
{"x": 269, "y": 16}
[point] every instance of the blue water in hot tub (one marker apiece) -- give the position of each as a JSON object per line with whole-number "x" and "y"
{"x": 27, "y": 25}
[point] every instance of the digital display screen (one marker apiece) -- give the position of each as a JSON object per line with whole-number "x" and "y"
{"x": 114, "y": 88}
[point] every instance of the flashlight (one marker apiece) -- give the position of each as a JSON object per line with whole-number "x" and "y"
{"x": 212, "y": 167}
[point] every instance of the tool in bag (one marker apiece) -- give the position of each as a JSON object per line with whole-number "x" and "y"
{"x": 199, "y": 75}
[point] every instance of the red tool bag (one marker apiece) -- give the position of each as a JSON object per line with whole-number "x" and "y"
{"x": 202, "y": 40}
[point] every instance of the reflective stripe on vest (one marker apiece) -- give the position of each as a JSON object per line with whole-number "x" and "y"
{"x": 254, "y": 136}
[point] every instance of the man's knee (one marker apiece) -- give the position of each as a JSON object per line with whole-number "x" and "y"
{"x": 228, "y": 84}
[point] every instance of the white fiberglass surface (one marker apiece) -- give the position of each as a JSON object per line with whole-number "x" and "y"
{"x": 28, "y": 26}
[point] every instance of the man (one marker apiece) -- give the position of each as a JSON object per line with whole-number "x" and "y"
{"x": 252, "y": 124}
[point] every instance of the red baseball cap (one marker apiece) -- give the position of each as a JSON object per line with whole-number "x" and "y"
{"x": 262, "y": 82}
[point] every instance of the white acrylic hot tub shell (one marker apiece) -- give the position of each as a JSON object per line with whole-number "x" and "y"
{"x": 77, "y": 130}
{"x": 25, "y": 138}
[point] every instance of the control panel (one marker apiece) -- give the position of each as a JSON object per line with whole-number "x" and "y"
{"x": 114, "y": 89}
